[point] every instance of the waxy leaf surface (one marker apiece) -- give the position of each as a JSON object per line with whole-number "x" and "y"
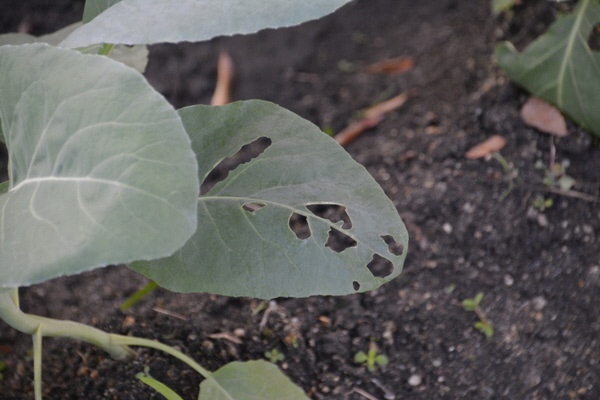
{"x": 95, "y": 7}
{"x": 239, "y": 251}
{"x": 251, "y": 380}
{"x": 155, "y": 21}
{"x": 560, "y": 66}
{"x": 101, "y": 169}
{"x": 134, "y": 56}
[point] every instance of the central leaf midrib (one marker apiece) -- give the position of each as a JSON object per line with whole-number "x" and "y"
{"x": 87, "y": 179}
{"x": 304, "y": 213}
{"x": 568, "y": 51}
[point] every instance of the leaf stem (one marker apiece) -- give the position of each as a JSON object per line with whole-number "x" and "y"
{"x": 106, "y": 49}
{"x": 37, "y": 362}
{"x": 141, "y": 342}
{"x": 27, "y": 323}
{"x": 116, "y": 345}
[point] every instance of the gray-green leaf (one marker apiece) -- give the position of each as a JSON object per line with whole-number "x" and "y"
{"x": 560, "y": 67}
{"x": 134, "y": 56}
{"x": 93, "y": 8}
{"x": 100, "y": 166}
{"x": 52, "y": 39}
{"x": 238, "y": 251}
{"x": 251, "y": 380}
{"x": 155, "y": 21}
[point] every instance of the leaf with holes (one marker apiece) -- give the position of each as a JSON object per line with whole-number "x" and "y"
{"x": 101, "y": 169}
{"x": 246, "y": 245}
{"x": 560, "y": 66}
{"x": 155, "y": 21}
{"x": 251, "y": 380}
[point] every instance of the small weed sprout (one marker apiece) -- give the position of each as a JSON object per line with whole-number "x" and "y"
{"x": 542, "y": 203}
{"x": 371, "y": 359}
{"x": 274, "y": 356}
{"x": 511, "y": 174}
{"x": 483, "y": 325}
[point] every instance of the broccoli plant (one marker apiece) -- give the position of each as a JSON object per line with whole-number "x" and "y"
{"x": 102, "y": 170}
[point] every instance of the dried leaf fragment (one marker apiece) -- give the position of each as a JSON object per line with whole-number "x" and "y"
{"x": 372, "y": 117}
{"x": 225, "y": 336}
{"x": 222, "y": 93}
{"x": 391, "y": 66}
{"x": 488, "y": 146}
{"x": 543, "y": 116}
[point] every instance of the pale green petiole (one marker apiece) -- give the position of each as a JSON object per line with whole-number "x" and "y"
{"x": 37, "y": 362}
{"x": 27, "y": 323}
{"x": 106, "y": 49}
{"x": 116, "y": 345}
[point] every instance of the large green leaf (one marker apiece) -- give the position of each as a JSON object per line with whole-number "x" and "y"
{"x": 560, "y": 67}
{"x": 256, "y": 253}
{"x": 154, "y": 21}
{"x": 251, "y": 380}
{"x": 100, "y": 166}
{"x": 93, "y": 8}
{"x": 133, "y": 56}
{"x": 53, "y": 38}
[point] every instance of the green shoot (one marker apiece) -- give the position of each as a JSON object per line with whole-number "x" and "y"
{"x": 483, "y": 325}
{"x": 371, "y": 359}
{"x": 472, "y": 304}
{"x": 138, "y": 295}
{"x": 511, "y": 173}
{"x": 541, "y": 203}
{"x": 160, "y": 387}
{"x": 274, "y": 356}
{"x": 485, "y": 328}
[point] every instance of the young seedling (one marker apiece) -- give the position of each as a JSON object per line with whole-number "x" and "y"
{"x": 274, "y": 356}
{"x": 372, "y": 358}
{"x": 482, "y": 325}
{"x": 103, "y": 170}
{"x": 556, "y": 177}
{"x": 160, "y": 387}
{"x": 511, "y": 174}
{"x": 541, "y": 203}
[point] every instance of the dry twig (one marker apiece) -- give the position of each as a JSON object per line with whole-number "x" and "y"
{"x": 222, "y": 94}
{"x": 372, "y": 117}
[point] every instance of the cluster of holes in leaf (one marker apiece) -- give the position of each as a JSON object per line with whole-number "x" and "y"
{"x": 379, "y": 266}
{"x": 246, "y": 154}
{"x": 337, "y": 241}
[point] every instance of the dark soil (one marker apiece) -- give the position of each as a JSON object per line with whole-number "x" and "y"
{"x": 472, "y": 224}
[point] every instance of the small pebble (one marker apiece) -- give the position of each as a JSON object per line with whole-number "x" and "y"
{"x": 508, "y": 280}
{"x": 542, "y": 220}
{"x": 414, "y": 380}
{"x": 447, "y": 228}
{"x": 539, "y": 302}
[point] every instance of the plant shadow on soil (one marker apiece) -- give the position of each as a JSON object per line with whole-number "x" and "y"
{"x": 540, "y": 271}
